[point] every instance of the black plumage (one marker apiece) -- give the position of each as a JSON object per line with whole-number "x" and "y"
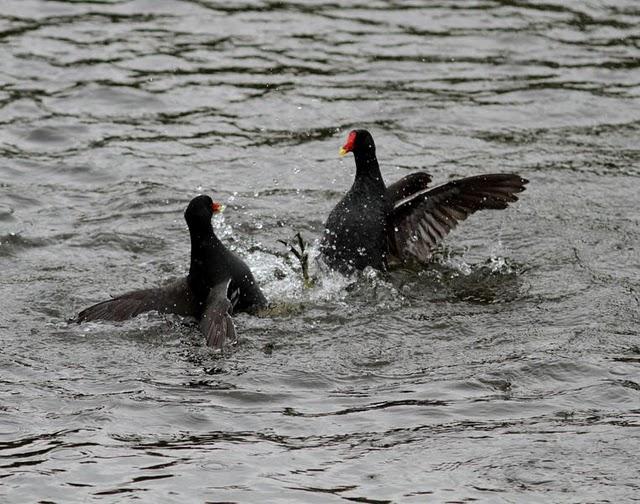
{"x": 218, "y": 283}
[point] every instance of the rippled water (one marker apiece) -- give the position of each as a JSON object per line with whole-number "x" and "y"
{"x": 507, "y": 371}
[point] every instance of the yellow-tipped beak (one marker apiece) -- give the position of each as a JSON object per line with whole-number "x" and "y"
{"x": 342, "y": 152}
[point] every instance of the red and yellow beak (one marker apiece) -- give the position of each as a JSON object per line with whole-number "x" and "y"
{"x": 217, "y": 207}
{"x": 348, "y": 146}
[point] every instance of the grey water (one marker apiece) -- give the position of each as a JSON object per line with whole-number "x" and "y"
{"x": 508, "y": 370}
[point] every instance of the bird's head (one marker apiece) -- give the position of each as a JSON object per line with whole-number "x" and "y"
{"x": 201, "y": 209}
{"x": 359, "y": 142}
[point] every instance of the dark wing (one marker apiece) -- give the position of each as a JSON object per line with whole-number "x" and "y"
{"x": 250, "y": 297}
{"x": 216, "y": 323}
{"x": 175, "y": 297}
{"x": 407, "y": 186}
{"x": 421, "y": 220}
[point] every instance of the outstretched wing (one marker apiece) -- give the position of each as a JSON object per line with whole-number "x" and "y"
{"x": 421, "y": 220}
{"x": 407, "y": 186}
{"x": 175, "y": 297}
{"x": 216, "y": 323}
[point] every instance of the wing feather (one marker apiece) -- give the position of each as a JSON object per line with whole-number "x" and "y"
{"x": 175, "y": 297}
{"x": 422, "y": 219}
{"x": 406, "y": 186}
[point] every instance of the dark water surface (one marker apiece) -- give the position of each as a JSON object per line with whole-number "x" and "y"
{"x": 507, "y": 371}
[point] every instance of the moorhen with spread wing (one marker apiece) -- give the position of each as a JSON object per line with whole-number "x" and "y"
{"x": 218, "y": 283}
{"x": 374, "y": 222}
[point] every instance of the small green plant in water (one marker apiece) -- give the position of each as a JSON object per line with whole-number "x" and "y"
{"x": 302, "y": 255}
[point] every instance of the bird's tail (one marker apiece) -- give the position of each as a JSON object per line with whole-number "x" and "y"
{"x": 216, "y": 323}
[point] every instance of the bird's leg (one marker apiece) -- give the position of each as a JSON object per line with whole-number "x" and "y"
{"x": 302, "y": 255}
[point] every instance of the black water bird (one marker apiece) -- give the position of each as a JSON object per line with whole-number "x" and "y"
{"x": 374, "y": 223}
{"x": 218, "y": 283}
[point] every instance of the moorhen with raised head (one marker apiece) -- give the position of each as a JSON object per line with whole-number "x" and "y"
{"x": 218, "y": 283}
{"x": 374, "y": 222}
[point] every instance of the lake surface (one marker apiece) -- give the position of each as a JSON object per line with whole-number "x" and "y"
{"x": 506, "y": 371}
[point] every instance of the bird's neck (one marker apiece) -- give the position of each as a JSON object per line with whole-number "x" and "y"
{"x": 204, "y": 242}
{"x": 367, "y": 169}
